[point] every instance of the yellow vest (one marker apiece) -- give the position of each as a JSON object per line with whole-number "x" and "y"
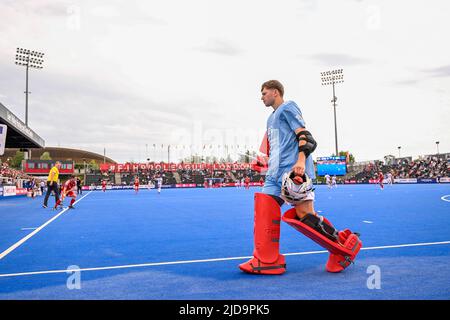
{"x": 55, "y": 176}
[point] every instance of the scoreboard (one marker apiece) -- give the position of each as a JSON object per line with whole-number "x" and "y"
{"x": 334, "y": 166}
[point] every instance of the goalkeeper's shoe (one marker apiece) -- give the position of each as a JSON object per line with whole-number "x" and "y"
{"x": 71, "y": 207}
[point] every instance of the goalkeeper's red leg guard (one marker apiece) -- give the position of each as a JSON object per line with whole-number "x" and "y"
{"x": 266, "y": 256}
{"x": 338, "y": 262}
{"x": 343, "y": 245}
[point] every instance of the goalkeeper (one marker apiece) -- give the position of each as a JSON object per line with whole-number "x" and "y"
{"x": 288, "y": 178}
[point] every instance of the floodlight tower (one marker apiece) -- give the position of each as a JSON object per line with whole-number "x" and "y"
{"x": 28, "y": 59}
{"x": 332, "y": 77}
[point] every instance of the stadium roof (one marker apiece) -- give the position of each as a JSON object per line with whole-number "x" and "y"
{"x": 57, "y": 153}
{"x": 18, "y": 135}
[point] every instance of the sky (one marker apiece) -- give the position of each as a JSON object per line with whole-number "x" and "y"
{"x": 132, "y": 77}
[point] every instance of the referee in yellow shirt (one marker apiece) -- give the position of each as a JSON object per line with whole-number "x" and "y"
{"x": 52, "y": 183}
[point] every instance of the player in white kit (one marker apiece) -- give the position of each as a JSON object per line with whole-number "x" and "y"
{"x": 333, "y": 182}
{"x": 328, "y": 180}
{"x": 159, "y": 183}
{"x": 390, "y": 179}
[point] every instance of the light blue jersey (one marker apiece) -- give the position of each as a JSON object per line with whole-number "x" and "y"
{"x": 283, "y": 143}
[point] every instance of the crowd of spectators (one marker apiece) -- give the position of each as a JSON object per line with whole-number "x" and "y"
{"x": 369, "y": 172}
{"x": 193, "y": 176}
{"x": 430, "y": 167}
{"x": 185, "y": 176}
{"x": 199, "y": 176}
{"x": 11, "y": 176}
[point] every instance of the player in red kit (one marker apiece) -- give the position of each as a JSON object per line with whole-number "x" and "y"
{"x": 68, "y": 190}
{"x": 380, "y": 179}
{"x": 136, "y": 184}
{"x": 247, "y": 182}
{"x": 261, "y": 181}
{"x": 103, "y": 185}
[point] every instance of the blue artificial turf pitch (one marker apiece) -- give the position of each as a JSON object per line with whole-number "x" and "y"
{"x": 151, "y": 246}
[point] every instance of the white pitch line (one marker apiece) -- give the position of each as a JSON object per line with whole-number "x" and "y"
{"x": 24, "y": 239}
{"x": 407, "y": 245}
{"x": 205, "y": 260}
{"x": 444, "y": 198}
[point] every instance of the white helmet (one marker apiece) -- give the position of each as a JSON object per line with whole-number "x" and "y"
{"x": 295, "y": 188}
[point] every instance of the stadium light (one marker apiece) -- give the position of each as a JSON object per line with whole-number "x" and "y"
{"x": 84, "y": 164}
{"x": 331, "y": 78}
{"x": 437, "y": 146}
{"x": 399, "y": 151}
{"x": 168, "y": 153}
{"x": 28, "y": 59}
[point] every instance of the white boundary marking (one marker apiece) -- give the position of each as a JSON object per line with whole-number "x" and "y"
{"x": 24, "y": 239}
{"x": 443, "y": 198}
{"x": 206, "y": 260}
